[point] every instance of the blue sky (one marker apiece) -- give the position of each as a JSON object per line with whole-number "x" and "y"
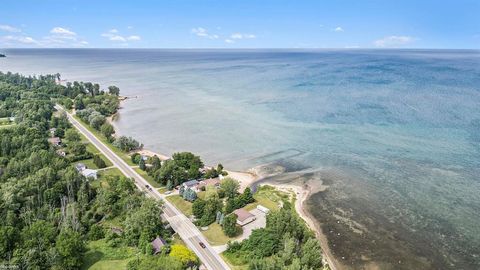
{"x": 241, "y": 24}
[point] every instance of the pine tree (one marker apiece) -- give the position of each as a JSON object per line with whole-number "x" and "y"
{"x": 169, "y": 185}
{"x": 141, "y": 164}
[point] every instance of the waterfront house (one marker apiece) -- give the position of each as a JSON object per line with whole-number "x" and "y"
{"x": 190, "y": 184}
{"x": 157, "y": 245}
{"x": 243, "y": 216}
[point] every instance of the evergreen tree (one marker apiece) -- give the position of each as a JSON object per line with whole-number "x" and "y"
{"x": 141, "y": 164}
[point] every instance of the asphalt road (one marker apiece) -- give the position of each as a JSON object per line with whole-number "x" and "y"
{"x": 179, "y": 222}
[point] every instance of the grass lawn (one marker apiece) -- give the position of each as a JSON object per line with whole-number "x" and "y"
{"x": 235, "y": 262}
{"x": 111, "y": 171}
{"x": 101, "y": 256}
{"x": 104, "y": 140}
{"x": 88, "y": 162}
{"x": 109, "y": 265}
{"x": 7, "y": 126}
{"x": 182, "y": 205}
{"x": 215, "y": 235}
{"x": 147, "y": 177}
{"x": 269, "y": 197}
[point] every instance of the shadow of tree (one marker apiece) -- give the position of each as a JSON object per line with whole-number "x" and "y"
{"x": 91, "y": 258}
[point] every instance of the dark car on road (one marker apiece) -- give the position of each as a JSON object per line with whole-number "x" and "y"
{"x": 202, "y": 245}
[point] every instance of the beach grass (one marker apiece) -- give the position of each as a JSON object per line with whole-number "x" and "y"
{"x": 215, "y": 235}
{"x": 182, "y": 205}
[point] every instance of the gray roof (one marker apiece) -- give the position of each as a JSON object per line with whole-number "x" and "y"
{"x": 191, "y": 183}
{"x": 80, "y": 166}
{"x": 157, "y": 244}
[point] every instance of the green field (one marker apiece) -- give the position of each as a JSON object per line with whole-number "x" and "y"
{"x": 102, "y": 257}
{"x": 182, "y": 205}
{"x": 269, "y": 197}
{"x": 236, "y": 263}
{"x": 111, "y": 171}
{"x": 215, "y": 235}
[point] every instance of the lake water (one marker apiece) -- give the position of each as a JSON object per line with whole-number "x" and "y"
{"x": 395, "y": 134}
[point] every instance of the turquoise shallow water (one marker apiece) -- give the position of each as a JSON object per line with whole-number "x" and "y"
{"x": 394, "y": 133}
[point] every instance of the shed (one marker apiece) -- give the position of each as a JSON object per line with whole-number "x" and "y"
{"x": 263, "y": 209}
{"x": 157, "y": 245}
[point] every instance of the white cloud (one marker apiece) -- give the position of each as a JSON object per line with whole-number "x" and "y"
{"x": 62, "y": 31}
{"x": 393, "y": 41}
{"x": 338, "y": 29}
{"x": 113, "y": 35}
{"x": 133, "y": 38}
{"x": 58, "y": 37}
{"x": 229, "y": 41}
{"x": 20, "y": 39}
{"x": 202, "y": 32}
{"x": 242, "y": 36}
{"x": 129, "y": 27}
{"x": 8, "y": 28}
{"x": 117, "y": 38}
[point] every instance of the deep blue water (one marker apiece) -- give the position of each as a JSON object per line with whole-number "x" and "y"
{"x": 393, "y": 133}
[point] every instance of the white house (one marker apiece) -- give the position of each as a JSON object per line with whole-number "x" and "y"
{"x": 89, "y": 173}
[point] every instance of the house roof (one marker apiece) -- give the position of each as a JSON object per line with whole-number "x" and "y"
{"x": 54, "y": 140}
{"x": 157, "y": 244}
{"x": 89, "y": 173}
{"x": 243, "y": 214}
{"x": 209, "y": 182}
{"x": 191, "y": 183}
{"x": 80, "y": 166}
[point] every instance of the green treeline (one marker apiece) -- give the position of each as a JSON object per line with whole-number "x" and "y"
{"x": 49, "y": 212}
